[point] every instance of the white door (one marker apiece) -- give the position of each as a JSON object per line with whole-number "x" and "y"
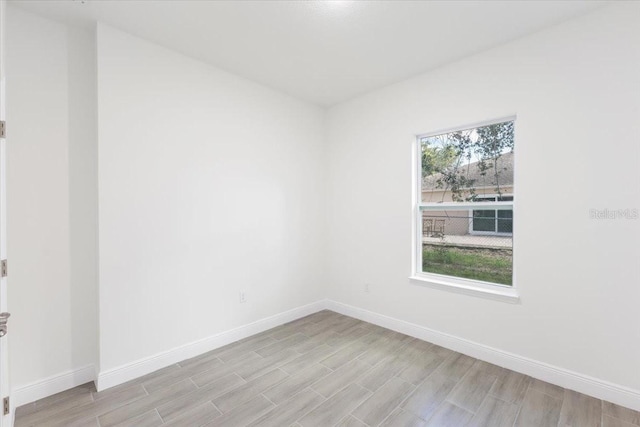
{"x": 4, "y": 377}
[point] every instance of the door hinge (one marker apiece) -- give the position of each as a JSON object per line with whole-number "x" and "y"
{"x": 3, "y": 268}
{"x": 5, "y": 405}
{"x": 3, "y": 129}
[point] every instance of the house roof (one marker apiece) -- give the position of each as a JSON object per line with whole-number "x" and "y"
{"x": 473, "y": 172}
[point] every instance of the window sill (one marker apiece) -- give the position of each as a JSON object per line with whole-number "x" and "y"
{"x": 467, "y": 287}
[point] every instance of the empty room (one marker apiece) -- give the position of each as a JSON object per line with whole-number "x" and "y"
{"x": 319, "y": 213}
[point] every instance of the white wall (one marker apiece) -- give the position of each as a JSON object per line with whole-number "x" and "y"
{"x": 83, "y": 194}
{"x": 576, "y": 91}
{"x": 208, "y": 184}
{"x": 52, "y": 196}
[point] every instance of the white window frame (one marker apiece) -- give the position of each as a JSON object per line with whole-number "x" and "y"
{"x": 495, "y": 291}
{"x": 489, "y": 233}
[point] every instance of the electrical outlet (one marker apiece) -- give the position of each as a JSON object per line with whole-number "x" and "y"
{"x": 367, "y": 288}
{"x": 243, "y": 297}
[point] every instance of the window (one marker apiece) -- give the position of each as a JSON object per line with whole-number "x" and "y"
{"x": 464, "y": 207}
{"x": 490, "y": 222}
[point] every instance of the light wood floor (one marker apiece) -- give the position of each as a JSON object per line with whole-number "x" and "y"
{"x": 328, "y": 370}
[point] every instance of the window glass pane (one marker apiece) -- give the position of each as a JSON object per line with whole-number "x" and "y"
{"x": 484, "y": 220}
{"x": 448, "y": 248}
{"x": 505, "y": 221}
{"x": 468, "y": 165}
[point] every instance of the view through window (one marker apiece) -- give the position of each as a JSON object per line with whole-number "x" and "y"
{"x": 466, "y": 203}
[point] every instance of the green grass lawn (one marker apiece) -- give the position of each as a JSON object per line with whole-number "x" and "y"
{"x": 488, "y": 265}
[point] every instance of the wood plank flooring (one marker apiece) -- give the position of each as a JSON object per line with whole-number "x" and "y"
{"x": 327, "y": 370}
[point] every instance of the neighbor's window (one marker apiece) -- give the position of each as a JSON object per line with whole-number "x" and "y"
{"x": 465, "y": 205}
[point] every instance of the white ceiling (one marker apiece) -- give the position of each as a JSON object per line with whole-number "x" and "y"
{"x": 322, "y": 51}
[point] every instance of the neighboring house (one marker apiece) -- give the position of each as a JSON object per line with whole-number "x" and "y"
{"x": 465, "y": 221}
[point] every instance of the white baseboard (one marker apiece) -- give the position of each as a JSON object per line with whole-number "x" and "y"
{"x": 563, "y": 377}
{"x": 52, "y": 385}
{"x": 124, "y": 373}
{"x": 22, "y": 395}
